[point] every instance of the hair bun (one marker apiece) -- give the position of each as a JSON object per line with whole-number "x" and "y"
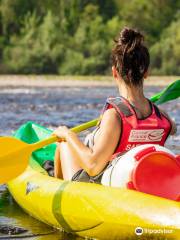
{"x": 128, "y": 36}
{"x": 131, "y": 57}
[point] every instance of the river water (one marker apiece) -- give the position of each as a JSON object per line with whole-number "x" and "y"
{"x": 52, "y": 107}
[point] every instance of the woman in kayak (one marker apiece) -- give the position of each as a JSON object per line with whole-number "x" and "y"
{"x": 127, "y": 121}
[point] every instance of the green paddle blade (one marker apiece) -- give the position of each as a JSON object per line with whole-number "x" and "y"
{"x": 170, "y": 93}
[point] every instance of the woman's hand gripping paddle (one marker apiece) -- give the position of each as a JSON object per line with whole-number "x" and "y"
{"x": 15, "y": 154}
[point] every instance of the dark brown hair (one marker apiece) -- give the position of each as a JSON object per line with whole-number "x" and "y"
{"x": 130, "y": 57}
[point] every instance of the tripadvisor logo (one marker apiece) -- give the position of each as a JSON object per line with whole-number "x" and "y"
{"x": 138, "y": 231}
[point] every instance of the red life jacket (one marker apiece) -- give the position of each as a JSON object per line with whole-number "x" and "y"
{"x": 153, "y": 129}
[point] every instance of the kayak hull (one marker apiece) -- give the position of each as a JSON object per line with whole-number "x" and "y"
{"x": 92, "y": 210}
{"x": 86, "y": 209}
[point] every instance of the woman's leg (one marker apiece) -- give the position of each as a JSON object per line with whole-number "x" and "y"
{"x": 65, "y": 162}
{"x": 57, "y": 164}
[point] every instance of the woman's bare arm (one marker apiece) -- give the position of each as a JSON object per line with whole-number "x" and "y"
{"x": 94, "y": 160}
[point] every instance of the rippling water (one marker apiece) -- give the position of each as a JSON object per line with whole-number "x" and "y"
{"x": 52, "y": 107}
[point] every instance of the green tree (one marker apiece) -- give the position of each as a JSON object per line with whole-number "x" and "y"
{"x": 87, "y": 50}
{"x": 165, "y": 53}
{"x": 149, "y": 16}
{"x": 76, "y": 36}
{"x": 37, "y": 48}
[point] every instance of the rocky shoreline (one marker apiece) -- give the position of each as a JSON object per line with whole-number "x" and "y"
{"x": 68, "y": 81}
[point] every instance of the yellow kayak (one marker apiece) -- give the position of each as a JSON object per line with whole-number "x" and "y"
{"x": 86, "y": 209}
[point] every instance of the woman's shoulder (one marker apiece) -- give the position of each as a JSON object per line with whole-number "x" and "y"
{"x": 110, "y": 117}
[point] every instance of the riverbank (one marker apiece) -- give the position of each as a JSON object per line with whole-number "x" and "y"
{"x": 80, "y": 81}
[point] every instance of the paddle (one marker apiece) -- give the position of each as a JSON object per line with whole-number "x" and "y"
{"x": 169, "y": 93}
{"x": 15, "y": 154}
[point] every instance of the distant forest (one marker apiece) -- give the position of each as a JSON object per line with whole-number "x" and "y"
{"x": 75, "y": 37}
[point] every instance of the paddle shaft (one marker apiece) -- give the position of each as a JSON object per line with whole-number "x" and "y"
{"x": 53, "y": 138}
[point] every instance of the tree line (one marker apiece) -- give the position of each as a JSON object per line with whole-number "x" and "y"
{"x": 75, "y": 37}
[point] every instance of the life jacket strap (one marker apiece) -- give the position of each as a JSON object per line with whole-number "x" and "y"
{"x": 120, "y": 106}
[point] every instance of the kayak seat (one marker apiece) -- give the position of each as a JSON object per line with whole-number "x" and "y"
{"x": 48, "y": 165}
{"x": 157, "y": 173}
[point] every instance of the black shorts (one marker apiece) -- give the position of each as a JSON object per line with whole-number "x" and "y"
{"x": 83, "y": 176}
